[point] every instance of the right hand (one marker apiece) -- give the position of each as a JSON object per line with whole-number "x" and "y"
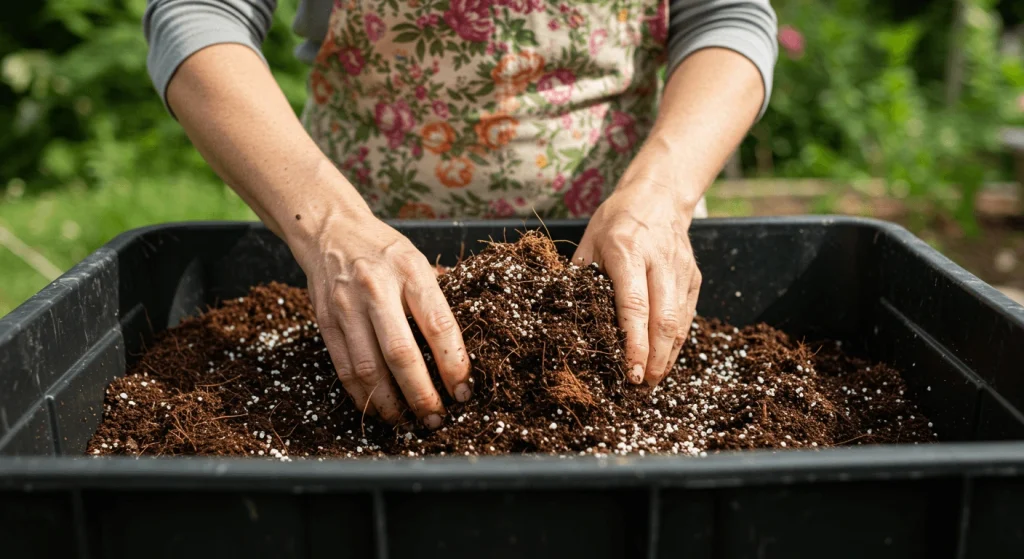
{"x": 365, "y": 279}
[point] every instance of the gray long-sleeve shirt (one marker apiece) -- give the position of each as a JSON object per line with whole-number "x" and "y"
{"x": 176, "y": 29}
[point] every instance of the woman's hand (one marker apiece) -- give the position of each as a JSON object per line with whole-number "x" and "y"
{"x": 639, "y": 237}
{"x": 365, "y": 279}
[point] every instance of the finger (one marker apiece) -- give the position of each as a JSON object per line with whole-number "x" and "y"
{"x": 691, "y": 299}
{"x": 338, "y": 350}
{"x": 434, "y": 317}
{"x": 584, "y": 253}
{"x": 369, "y": 367}
{"x": 629, "y": 278}
{"x": 404, "y": 359}
{"x": 664, "y": 320}
{"x": 683, "y": 288}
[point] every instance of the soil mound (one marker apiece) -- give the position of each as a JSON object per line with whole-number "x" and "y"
{"x": 253, "y": 378}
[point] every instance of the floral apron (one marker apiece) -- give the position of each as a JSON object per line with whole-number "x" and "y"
{"x": 486, "y": 108}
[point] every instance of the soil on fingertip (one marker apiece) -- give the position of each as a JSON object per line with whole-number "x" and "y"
{"x": 252, "y": 377}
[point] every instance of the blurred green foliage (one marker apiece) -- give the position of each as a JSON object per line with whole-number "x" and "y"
{"x": 77, "y": 104}
{"x": 867, "y": 97}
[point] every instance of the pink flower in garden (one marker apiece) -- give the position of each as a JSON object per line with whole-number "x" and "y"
{"x": 441, "y": 109}
{"x": 584, "y": 196}
{"x": 470, "y": 19}
{"x": 375, "y": 27}
{"x": 352, "y": 60}
{"x": 559, "y": 183}
{"x": 659, "y": 24}
{"x": 421, "y": 92}
{"x": 427, "y": 21}
{"x": 621, "y": 133}
{"x": 556, "y": 86}
{"x": 597, "y": 40}
{"x": 501, "y": 208}
{"x": 792, "y": 41}
{"x": 394, "y": 121}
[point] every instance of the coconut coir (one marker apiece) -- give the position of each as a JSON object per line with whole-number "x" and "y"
{"x": 253, "y": 378}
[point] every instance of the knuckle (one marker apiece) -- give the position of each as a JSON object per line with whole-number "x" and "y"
{"x": 634, "y": 302}
{"x": 439, "y": 322}
{"x": 366, "y": 371}
{"x": 421, "y": 401}
{"x": 667, "y": 325}
{"x": 401, "y": 353}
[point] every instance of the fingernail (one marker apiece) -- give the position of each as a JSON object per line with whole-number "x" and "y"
{"x": 637, "y": 374}
{"x": 432, "y": 421}
{"x": 462, "y": 392}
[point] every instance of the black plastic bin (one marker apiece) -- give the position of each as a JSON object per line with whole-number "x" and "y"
{"x": 868, "y": 283}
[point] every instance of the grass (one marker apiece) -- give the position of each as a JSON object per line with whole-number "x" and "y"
{"x": 67, "y": 225}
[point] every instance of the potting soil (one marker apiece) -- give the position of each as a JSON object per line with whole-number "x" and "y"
{"x": 252, "y": 377}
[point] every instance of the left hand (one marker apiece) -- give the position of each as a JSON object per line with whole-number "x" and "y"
{"x": 639, "y": 237}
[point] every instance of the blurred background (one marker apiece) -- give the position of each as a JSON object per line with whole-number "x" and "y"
{"x": 906, "y": 110}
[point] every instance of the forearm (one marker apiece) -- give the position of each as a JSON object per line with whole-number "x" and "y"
{"x": 709, "y": 104}
{"x": 232, "y": 109}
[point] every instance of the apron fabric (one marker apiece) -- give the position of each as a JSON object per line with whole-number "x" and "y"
{"x": 486, "y": 108}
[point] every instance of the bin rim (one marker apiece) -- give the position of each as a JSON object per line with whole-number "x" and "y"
{"x": 727, "y": 469}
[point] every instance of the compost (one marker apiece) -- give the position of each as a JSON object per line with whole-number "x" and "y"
{"x": 252, "y": 377}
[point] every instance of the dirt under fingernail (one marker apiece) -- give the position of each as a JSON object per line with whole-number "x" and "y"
{"x": 637, "y": 374}
{"x": 463, "y": 393}
{"x": 432, "y": 421}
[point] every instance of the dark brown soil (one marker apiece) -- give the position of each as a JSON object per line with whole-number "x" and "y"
{"x": 253, "y": 378}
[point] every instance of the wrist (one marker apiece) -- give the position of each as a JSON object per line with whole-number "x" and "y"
{"x": 323, "y": 203}
{"x": 655, "y": 172}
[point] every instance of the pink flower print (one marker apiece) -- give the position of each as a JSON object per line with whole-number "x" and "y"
{"x": 375, "y": 27}
{"x": 584, "y": 196}
{"x": 363, "y": 152}
{"x": 398, "y": 81}
{"x": 415, "y": 72}
{"x": 559, "y": 183}
{"x": 566, "y": 121}
{"x": 597, "y": 40}
{"x": 522, "y": 6}
{"x": 394, "y": 121}
{"x": 557, "y": 86}
{"x": 427, "y": 21}
{"x": 595, "y": 135}
{"x": 599, "y": 110}
{"x": 363, "y": 175}
{"x": 421, "y": 92}
{"x": 491, "y": 48}
{"x": 441, "y": 109}
{"x": 520, "y": 201}
{"x": 621, "y": 132}
{"x": 501, "y": 208}
{"x": 417, "y": 150}
{"x": 792, "y": 41}
{"x": 658, "y": 24}
{"x": 470, "y": 19}
{"x": 564, "y": 8}
{"x": 553, "y": 25}
{"x": 352, "y": 60}
{"x": 575, "y": 19}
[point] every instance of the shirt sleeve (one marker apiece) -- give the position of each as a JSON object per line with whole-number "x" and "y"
{"x": 177, "y": 29}
{"x": 748, "y": 27}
